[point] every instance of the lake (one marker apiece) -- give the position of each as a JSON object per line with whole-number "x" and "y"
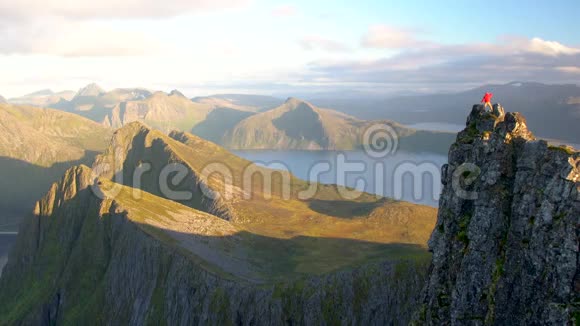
{"x": 414, "y": 177}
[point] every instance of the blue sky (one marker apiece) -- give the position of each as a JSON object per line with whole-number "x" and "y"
{"x": 286, "y": 47}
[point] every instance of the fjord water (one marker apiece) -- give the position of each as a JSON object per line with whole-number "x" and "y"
{"x": 408, "y": 176}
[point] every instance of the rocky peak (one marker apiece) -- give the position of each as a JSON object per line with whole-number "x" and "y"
{"x": 293, "y": 101}
{"x": 507, "y": 125}
{"x": 298, "y": 105}
{"x": 90, "y": 90}
{"x": 176, "y": 93}
{"x": 505, "y": 247}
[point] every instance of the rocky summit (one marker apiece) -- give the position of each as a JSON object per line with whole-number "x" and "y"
{"x": 505, "y": 246}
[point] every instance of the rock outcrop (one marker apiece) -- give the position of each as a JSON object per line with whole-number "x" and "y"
{"x": 505, "y": 247}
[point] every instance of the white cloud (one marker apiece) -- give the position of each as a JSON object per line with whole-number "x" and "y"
{"x": 315, "y": 42}
{"x": 551, "y": 48}
{"x": 88, "y": 9}
{"x": 87, "y": 28}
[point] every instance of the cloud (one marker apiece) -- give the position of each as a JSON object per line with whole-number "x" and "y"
{"x": 105, "y": 9}
{"x": 285, "y": 11}
{"x": 82, "y": 28}
{"x": 315, "y": 42}
{"x": 390, "y": 37}
{"x": 551, "y": 48}
{"x": 438, "y": 65}
{"x": 73, "y": 39}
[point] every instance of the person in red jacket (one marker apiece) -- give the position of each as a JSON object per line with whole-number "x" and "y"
{"x": 487, "y": 100}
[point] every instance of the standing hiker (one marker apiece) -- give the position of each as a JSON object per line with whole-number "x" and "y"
{"x": 487, "y": 100}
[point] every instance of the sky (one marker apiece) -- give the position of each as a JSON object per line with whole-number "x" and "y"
{"x": 286, "y": 48}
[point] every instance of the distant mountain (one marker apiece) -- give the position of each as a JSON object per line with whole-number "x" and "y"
{"x": 36, "y": 147}
{"x": 160, "y": 110}
{"x": 43, "y": 98}
{"x": 90, "y": 90}
{"x": 243, "y": 102}
{"x": 2, "y": 99}
{"x": 553, "y": 111}
{"x": 300, "y": 125}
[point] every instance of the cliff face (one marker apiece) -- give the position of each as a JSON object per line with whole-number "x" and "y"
{"x": 505, "y": 247}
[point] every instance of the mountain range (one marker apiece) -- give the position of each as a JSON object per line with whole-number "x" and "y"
{"x": 232, "y": 252}
{"x": 553, "y": 111}
{"x": 544, "y": 105}
{"x": 236, "y": 121}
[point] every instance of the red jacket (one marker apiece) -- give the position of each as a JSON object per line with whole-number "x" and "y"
{"x": 487, "y": 98}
